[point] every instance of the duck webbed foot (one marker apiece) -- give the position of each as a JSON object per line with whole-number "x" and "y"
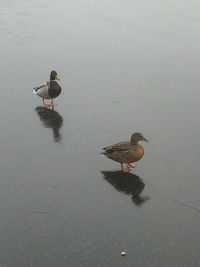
{"x": 45, "y": 105}
{"x": 124, "y": 169}
{"x": 131, "y": 165}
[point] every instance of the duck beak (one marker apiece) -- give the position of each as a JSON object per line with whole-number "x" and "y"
{"x": 57, "y": 78}
{"x": 144, "y": 139}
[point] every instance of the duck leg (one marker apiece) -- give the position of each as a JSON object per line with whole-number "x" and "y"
{"x": 44, "y": 104}
{"x": 53, "y": 104}
{"x": 123, "y": 169}
{"x": 131, "y": 165}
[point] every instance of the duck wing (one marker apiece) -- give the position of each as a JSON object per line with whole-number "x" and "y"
{"x": 121, "y": 146}
{"x": 35, "y": 89}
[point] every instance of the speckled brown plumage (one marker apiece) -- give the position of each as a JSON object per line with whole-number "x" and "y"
{"x": 127, "y": 151}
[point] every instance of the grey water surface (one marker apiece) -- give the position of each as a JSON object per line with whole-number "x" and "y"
{"x": 125, "y": 66}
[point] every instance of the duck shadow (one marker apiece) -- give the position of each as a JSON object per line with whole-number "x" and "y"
{"x": 51, "y": 119}
{"x": 128, "y": 183}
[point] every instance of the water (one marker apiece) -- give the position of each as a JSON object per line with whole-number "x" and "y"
{"x": 125, "y": 66}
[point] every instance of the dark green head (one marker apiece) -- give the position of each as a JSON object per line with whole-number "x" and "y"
{"x": 54, "y": 75}
{"x": 136, "y": 137}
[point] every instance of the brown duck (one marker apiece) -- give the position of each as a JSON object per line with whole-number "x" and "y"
{"x": 126, "y": 152}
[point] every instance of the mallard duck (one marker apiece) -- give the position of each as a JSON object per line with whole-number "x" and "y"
{"x": 126, "y": 152}
{"x": 49, "y": 90}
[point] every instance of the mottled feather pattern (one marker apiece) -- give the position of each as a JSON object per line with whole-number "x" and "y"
{"x": 126, "y": 156}
{"x": 117, "y": 147}
{"x": 126, "y": 151}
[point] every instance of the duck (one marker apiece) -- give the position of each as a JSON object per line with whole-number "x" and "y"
{"x": 49, "y": 90}
{"x": 126, "y": 152}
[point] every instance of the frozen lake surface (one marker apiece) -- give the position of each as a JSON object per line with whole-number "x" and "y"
{"x": 125, "y": 66}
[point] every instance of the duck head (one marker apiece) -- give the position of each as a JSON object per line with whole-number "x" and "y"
{"x": 54, "y": 76}
{"x": 136, "y": 137}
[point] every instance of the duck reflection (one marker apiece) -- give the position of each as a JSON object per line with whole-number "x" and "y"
{"x": 127, "y": 183}
{"x": 51, "y": 119}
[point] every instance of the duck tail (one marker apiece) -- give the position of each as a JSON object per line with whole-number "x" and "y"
{"x": 35, "y": 90}
{"x": 103, "y": 153}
